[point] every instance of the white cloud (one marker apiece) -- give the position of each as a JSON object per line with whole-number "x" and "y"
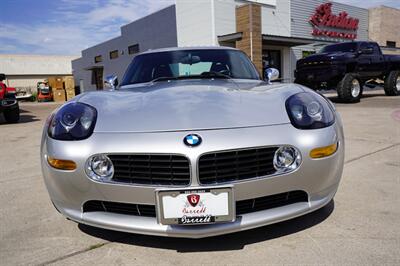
{"x": 79, "y": 24}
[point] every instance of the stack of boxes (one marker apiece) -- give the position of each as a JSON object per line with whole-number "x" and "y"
{"x": 69, "y": 87}
{"x": 57, "y": 85}
{"x": 63, "y": 88}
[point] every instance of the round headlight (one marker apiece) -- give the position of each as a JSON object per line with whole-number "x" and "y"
{"x": 309, "y": 110}
{"x": 286, "y": 159}
{"x": 100, "y": 168}
{"x": 73, "y": 121}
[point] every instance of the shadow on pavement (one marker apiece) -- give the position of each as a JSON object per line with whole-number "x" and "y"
{"x": 25, "y": 117}
{"x": 335, "y": 99}
{"x": 235, "y": 241}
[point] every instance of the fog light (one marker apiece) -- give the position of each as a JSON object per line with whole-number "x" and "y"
{"x": 323, "y": 151}
{"x": 286, "y": 159}
{"x": 99, "y": 167}
{"x": 61, "y": 164}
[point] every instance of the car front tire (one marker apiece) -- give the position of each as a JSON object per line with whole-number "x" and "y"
{"x": 392, "y": 84}
{"x": 350, "y": 88}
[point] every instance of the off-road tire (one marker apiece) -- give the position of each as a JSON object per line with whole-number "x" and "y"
{"x": 344, "y": 89}
{"x": 11, "y": 115}
{"x": 390, "y": 83}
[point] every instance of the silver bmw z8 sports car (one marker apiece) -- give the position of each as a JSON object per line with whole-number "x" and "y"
{"x": 192, "y": 143}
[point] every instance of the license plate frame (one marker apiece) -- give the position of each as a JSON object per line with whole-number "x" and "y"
{"x": 230, "y": 217}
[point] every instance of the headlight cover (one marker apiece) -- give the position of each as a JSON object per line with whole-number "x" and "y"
{"x": 100, "y": 168}
{"x": 287, "y": 159}
{"x": 309, "y": 111}
{"x": 73, "y": 121}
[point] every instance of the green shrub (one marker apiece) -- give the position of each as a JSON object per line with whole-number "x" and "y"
{"x": 34, "y": 97}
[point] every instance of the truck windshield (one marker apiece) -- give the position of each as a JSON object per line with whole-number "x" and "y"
{"x": 340, "y": 47}
{"x": 182, "y": 64}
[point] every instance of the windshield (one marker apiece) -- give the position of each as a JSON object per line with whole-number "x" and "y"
{"x": 181, "y": 64}
{"x": 340, "y": 47}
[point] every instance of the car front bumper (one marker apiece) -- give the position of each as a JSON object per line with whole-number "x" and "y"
{"x": 69, "y": 190}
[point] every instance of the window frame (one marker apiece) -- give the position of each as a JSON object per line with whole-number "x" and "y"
{"x": 98, "y": 59}
{"x": 114, "y": 54}
{"x": 391, "y": 44}
{"x": 130, "y": 47}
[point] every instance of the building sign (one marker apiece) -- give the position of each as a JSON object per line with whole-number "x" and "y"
{"x": 325, "y": 23}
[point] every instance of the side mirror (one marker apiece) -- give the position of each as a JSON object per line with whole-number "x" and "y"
{"x": 111, "y": 82}
{"x": 368, "y": 50}
{"x": 271, "y": 74}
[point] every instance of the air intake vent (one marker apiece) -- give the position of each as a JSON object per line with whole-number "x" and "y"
{"x": 151, "y": 169}
{"x": 236, "y": 165}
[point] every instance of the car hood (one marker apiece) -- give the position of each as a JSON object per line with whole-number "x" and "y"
{"x": 186, "y": 105}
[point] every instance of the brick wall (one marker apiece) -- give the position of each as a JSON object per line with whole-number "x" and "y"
{"x": 384, "y": 25}
{"x": 248, "y": 21}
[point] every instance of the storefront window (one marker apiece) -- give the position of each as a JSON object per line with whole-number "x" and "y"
{"x": 272, "y": 59}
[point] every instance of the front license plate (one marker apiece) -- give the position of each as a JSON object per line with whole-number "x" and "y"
{"x": 188, "y": 207}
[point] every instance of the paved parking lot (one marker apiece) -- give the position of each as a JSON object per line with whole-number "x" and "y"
{"x": 361, "y": 226}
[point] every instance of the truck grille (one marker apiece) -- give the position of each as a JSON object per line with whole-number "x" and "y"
{"x": 242, "y": 207}
{"x": 151, "y": 169}
{"x": 236, "y": 165}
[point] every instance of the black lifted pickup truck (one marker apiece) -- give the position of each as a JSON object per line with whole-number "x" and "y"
{"x": 347, "y": 67}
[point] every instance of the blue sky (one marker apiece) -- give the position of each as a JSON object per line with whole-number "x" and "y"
{"x": 69, "y": 26}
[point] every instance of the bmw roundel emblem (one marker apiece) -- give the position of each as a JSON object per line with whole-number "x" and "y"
{"x": 192, "y": 140}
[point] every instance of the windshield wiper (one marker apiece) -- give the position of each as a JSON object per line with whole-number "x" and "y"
{"x": 215, "y": 75}
{"x": 163, "y": 78}
{"x": 210, "y": 74}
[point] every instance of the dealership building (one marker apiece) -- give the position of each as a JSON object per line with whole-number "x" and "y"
{"x": 273, "y": 33}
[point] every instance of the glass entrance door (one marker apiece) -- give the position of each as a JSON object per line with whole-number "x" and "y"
{"x": 97, "y": 78}
{"x": 272, "y": 58}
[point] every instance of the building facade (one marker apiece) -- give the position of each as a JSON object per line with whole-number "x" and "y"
{"x": 273, "y": 33}
{"x": 25, "y": 71}
{"x": 383, "y": 28}
{"x": 112, "y": 57}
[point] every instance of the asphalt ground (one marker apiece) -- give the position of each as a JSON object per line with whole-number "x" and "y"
{"x": 361, "y": 226}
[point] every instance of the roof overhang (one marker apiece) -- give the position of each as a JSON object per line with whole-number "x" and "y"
{"x": 232, "y": 37}
{"x": 94, "y": 67}
{"x": 274, "y": 40}
{"x": 291, "y": 41}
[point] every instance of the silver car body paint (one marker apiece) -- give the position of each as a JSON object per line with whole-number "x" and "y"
{"x": 154, "y": 118}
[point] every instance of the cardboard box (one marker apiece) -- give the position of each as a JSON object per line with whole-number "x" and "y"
{"x": 70, "y": 93}
{"x": 56, "y": 83}
{"x": 59, "y": 95}
{"x": 69, "y": 83}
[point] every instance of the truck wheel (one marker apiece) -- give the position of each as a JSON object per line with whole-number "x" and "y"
{"x": 350, "y": 88}
{"x": 392, "y": 84}
{"x": 12, "y": 114}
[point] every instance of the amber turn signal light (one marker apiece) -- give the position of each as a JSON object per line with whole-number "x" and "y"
{"x": 61, "y": 164}
{"x": 323, "y": 151}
